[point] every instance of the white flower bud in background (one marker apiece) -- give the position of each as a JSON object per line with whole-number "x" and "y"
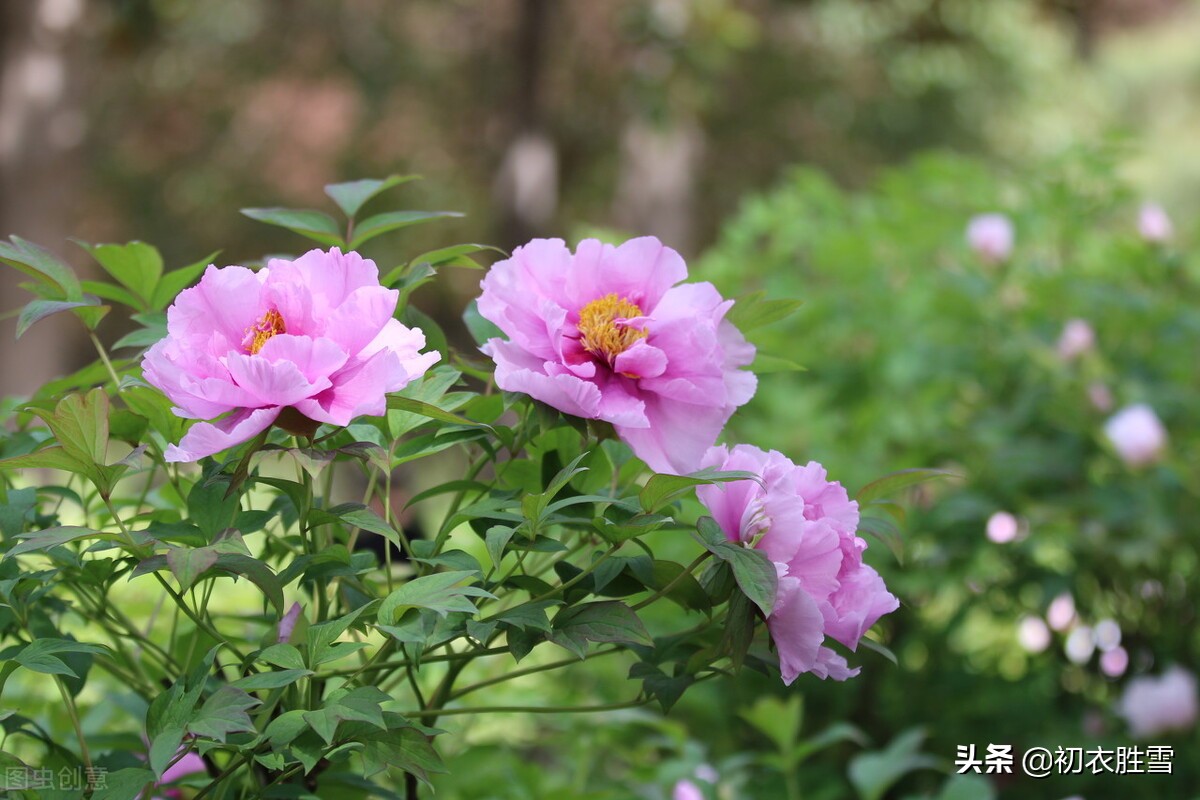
{"x": 1153, "y": 224}
{"x": 1137, "y": 435}
{"x": 1106, "y": 635}
{"x": 1079, "y": 647}
{"x": 990, "y": 236}
{"x": 1153, "y": 706}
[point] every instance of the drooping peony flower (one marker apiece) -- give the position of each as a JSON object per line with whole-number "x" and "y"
{"x": 1076, "y": 339}
{"x": 314, "y": 335}
{"x": 1153, "y": 706}
{"x": 1137, "y": 435}
{"x": 605, "y": 333}
{"x": 990, "y": 236}
{"x": 807, "y": 526}
{"x": 1153, "y": 223}
{"x": 686, "y": 790}
{"x": 1002, "y": 527}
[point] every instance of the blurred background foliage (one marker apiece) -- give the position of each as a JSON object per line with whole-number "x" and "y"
{"x": 782, "y": 145}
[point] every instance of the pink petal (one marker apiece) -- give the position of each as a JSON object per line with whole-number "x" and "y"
{"x": 272, "y": 383}
{"x": 316, "y": 359}
{"x": 639, "y": 270}
{"x": 796, "y": 627}
{"x": 206, "y": 438}
{"x": 679, "y": 434}
{"x": 641, "y": 361}
{"x": 227, "y": 300}
{"x": 518, "y": 371}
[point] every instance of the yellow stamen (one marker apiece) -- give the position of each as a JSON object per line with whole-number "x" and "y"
{"x": 267, "y": 326}
{"x": 602, "y": 327}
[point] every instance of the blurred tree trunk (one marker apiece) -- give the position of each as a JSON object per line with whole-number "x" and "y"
{"x": 657, "y": 179}
{"x": 41, "y": 126}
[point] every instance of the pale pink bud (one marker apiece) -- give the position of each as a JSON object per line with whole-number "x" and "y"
{"x": 1153, "y": 223}
{"x": 686, "y": 790}
{"x": 991, "y": 237}
{"x": 1076, "y": 339}
{"x": 1114, "y": 662}
{"x": 1153, "y": 706}
{"x": 1079, "y": 647}
{"x": 1061, "y": 613}
{"x": 1002, "y": 527}
{"x": 1033, "y": 634}
{"x": 1137, "y": 435}
{"x": 288, "y": 623}
{"x": 1100, "y": 396}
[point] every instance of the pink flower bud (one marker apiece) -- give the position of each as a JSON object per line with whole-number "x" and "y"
{"x": 991, "y": 237}
{"x": 1002, "y": 527}
{"x": 686, "y": 790}
{"x": 1076, "y": 339}
{"x": 1033, "y": 634}
{"x": 1153, "y": 224}
{"x": 1061, "y": 613}
{"x": 1114, "y": 662}
{"x": 1137, "y": 435}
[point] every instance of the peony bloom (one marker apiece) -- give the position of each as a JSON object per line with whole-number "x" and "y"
{"x": 1153, "y": 706}
{"x": 1153, "y": 223}
{"x": 806, "y": 525}
{"x": 190, "y": 764}
{"x": 686, "y": 790}
{"x": 605, "y": 333}
{"x": 990, "y": 236}
{"x": 1076, "y": 339}
{"x": 1002, "y": 527}
{"x": 315, "y": 335}
{"x": 1137, "y": 435}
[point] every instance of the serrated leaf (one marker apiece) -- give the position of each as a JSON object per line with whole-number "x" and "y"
{"x": 351, "y": 196}
{"x": 223, "y": 713}
{"x": 315, "y": 225}
{"x": 604, "y": 621}
{"x": 380, "y": 224}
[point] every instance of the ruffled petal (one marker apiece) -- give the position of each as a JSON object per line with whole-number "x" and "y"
{"x": 207, "y": 438}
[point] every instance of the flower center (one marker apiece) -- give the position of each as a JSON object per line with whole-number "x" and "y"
{"x": 267, "y": 326}
{"x": 603, "y": 327}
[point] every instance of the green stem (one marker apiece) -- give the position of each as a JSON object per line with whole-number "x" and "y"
{"x": 429, "y": 712}
{"x": 520, "y": 673}
{"x": 73, "y": 713}
{"x": 104, "y": 357}
{"x": 700, "y": 559}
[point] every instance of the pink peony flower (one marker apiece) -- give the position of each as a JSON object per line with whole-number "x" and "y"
{"x": 1113, "y": 663}
{"x": 991, "y": 237}
{"x": 1137, "y": 435}
{"x": 686, "y": 790}
{"x": 806, "y": 525}
{"x": 315, "y": 335}
{"x": 1153, "y": 706}
{"x": 1153, "y": 223}
{"x": 1076, "y": 339}
{"x": 287, "y": 625}
{"x": 605, "y": 333}
{"x": 190, "y": 764}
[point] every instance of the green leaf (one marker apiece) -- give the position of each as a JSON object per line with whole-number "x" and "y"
{"x": 661, "y": 490}
{"x": 286, "y": 727}
{"x": 136, "y": 265}
{"x": 223, "y": 713}
{"x": 37, "y": 541}
{"x": 124, "y": 784}
{"x": 441, "y": 592}
{"x": 41, "y": 265}
{"x": 764, "y": 364}
{"x": 187, "y": 563}
{"x": 872, "y": 774}
{"x": 379, "y": 224}
{"x": 529, "y": 615}
{"x": 39, "y": 655}
{"x": 397, "y": 402}
{"x": 164, "y": 747}
{"x": 778, "y": 719}
{"x": 756, "y": 311}
{"x": 37, "y": 310}
{"x": 359, "y": 516}
{"x": 177, "y": 280}
{"x": 257, "y": 573}
{"x": 353, "y": 195}
{"x": 755, "y": 574}
{"x": 315, "y": 225}
{"x": 496, "y": 539}
{"x": 481, "y": 329}
{"x": 322, "y": 636}
{"x": 211, "y": 507}
{"x": 282, "y": 655}
{"x": 271, "y": 680}
{"x": 360, "y": 705}
{"x": 80, "y": 424}
{"x": 890, "y": 484}
{"x": 967, "y": 787}
{"x": 454, "y": 256}
{"x": 605, "y": 621}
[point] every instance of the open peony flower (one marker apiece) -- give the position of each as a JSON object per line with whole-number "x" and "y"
{"x": 806, "y": 525}
{"x": 1153, "y": 706}
{"x": 190, "y": 764}
{"x": 314, "y": 335}
{"x": 605, "y": 333}
{"x": 1137, "y": 435}
{"x": 991, "y": 237}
